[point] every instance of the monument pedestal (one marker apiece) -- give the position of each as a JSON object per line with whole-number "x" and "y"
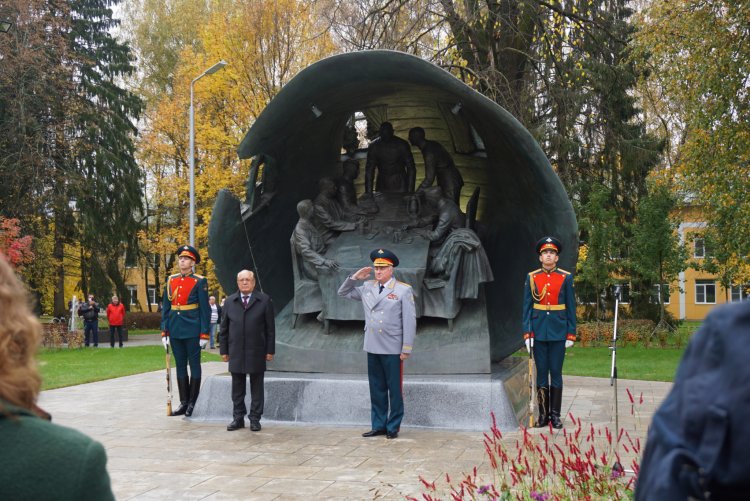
{"x": 457, "y": 402}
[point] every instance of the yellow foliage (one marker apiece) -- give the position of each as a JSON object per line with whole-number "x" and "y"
{"x": 265, "y": 43}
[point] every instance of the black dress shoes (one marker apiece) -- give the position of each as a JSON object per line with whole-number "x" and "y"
{"x": 236, "y": 424}
{"x": 373, "y": 433}
{"x": 254, "y": 425}
{"x": 391, "y": 435}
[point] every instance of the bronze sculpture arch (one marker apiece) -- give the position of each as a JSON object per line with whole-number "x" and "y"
{"x": 297, "y": 138}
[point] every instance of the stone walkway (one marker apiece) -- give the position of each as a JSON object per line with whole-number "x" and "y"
{"x": 152, "y": 456}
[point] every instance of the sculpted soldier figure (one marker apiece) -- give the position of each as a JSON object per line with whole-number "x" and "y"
{"x": 392, "y": 158}
{"x": 437, "y": 163}
{"x": 308, "y": 242}
{"x": 390, "y": 329}
{"x": 549, "y": 326}
{"x": 331, "y": 218}
{"x": 449, "y": 217}
{"x": 185, "y": 322}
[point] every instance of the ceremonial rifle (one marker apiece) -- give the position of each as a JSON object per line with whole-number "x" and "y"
{"x": 613, "y": 382}
{"x": 532, "y": 386}
{"x": 169, "y": 385}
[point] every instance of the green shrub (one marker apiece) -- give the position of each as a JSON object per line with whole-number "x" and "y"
{"x": 143, "y": 320}
{"x": 629, "y": 332}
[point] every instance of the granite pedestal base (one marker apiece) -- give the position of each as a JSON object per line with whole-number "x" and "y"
{"x": 459, "y": 402}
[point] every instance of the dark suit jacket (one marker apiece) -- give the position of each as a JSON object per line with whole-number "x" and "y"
{"x": 247, "y": 335}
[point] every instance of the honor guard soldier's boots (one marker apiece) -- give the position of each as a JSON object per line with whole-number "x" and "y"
{"x": 182, "y": 386}
{"x": 555, "y": 395}
{"x": 542, "y": 400}
{"x": 195, "y": 388}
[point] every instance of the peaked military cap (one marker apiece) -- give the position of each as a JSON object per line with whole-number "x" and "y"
{"x": 548, "y": 243}
{"x": 189, "y": 251}
{"x": 383, "y": 257}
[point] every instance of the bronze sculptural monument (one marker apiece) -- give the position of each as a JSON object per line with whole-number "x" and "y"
{"x": 500, "y": 193}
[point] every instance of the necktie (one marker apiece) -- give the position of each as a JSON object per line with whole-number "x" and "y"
{"x": 245, "y": 299}
{"x": 381, "y": 289}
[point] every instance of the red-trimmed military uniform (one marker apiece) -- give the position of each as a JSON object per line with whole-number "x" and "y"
{"x": 185, "y": 318}
{"x": 549, "y": 318}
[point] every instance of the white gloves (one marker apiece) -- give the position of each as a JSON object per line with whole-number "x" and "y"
{"x": 203, "y": 343}
{"x": 165, "y": 341}
{"x": 568, "y": 343}
{"x": 529, "y": 344}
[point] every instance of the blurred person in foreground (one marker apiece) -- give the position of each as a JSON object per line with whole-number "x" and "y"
{"x": 38, "y": 460}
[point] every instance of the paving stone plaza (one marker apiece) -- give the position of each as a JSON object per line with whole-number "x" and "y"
{"x": 152, "y": 456}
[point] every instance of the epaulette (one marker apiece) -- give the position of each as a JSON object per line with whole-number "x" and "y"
{"x": 174, "y": 276}
{"x": 535, "y": 271}
{"x": 563, "y": 271}
{"x": 403, "y": 283}
{"x": 198, "y": 276}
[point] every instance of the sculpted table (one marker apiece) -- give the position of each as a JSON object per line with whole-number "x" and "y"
{"x": 351, "y": 250}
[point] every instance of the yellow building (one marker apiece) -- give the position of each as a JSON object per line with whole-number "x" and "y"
{"x": 696, "y": 292}
{"x": 142, "y": 289}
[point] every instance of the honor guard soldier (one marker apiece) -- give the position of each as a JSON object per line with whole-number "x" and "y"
{"x": 185, "y": 320}
{"x": 549, "y": 326}
{"x": 390, "y": 328}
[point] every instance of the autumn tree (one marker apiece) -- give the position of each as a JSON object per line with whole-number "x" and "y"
{"x": 698, "y": 93}
{"x": 265, "y": 43}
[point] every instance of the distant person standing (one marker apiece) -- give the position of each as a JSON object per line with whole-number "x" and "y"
{"x": 390, "y": 329}
{"x": 116, "y": 318}
{"x": 215, "y": 320}
{"x": 247, "y": 342}
{"x": 185, "y": 318}
{"x": 90, "y": 313}
{"x": 549, "y": 326}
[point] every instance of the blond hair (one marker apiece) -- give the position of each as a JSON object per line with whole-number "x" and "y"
{"x": 20, "y": 335}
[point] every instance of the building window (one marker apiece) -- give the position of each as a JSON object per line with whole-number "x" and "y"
{"x": 705, "y": 292}
{"x": 739, "y": 293}
{"x": 657, "y": 291}
{"x": 701, "y": 249}
{"x": 152, "y": 295}
{"x": 133, "y": 293}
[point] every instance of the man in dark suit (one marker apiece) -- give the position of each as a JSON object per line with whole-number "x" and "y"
{"x": 247, "y": 340}
{"x": 549, "y": 326}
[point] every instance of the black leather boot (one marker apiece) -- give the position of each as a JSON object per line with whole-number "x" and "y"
{"x": 555, "y": 395}
{"x": 542, "y": 401}
{"x": 182, "y": 386}
{"x": 195, "y": 389}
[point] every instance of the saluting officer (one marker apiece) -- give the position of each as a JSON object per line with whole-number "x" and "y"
{"x": 185, "y": 320}
{"x": 549, "y": 326}
{"x": 390, "y": 328}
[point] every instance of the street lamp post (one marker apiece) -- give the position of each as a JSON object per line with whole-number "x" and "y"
{"x": 213, "y": 69}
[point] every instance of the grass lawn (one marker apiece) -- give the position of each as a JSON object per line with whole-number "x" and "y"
{"x": 646, "y": 364}
{"x": 66, "y": 367}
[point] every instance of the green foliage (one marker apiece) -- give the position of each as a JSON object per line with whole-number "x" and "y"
{"x": 66, "y": 132}
{"x": 603, "y": 238}
{"x": 656, "y": 255}
{"x": 700, "y": 62}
